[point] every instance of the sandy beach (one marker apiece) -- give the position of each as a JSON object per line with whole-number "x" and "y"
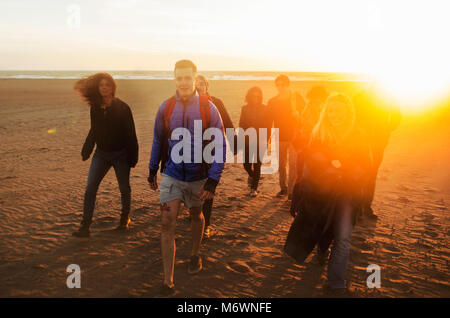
{"x": 43, "y": 125}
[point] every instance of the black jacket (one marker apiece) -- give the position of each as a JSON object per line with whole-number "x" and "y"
{"x": 330, "y": 176}
{"x": 280, "y": 114}
{"x": 112, "y": 129}
{"x": 226, "y": 119}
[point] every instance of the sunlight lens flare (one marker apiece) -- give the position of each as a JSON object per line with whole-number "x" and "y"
{"x": 414, "y": 92}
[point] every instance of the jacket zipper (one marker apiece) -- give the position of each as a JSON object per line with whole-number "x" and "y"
{"x": 182, "y": 162}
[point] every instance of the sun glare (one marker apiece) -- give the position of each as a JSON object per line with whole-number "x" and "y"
{"x": 414, "y": 92}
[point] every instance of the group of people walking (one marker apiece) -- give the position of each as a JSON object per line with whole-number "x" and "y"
{"x": 334, "y": 146}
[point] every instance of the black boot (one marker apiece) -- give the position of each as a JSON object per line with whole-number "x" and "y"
{"x": 368, "y": 213}
{"x": 124, "y": 223}
{"x": 83, "y": 231}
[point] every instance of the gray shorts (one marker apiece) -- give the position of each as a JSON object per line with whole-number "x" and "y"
{"x": 172, "y": 189}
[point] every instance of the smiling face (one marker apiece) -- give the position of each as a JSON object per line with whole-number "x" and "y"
{"x": 185, "y": 82}
{"x": 338, "y": 114}
{"x": 201, "y": 85}
{"x": 105, "y": 88}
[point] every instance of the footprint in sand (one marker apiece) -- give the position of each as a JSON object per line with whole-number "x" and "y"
{"x": 8, "y": 177}
{"x": 403, "y": 200}
{"x": 242, "y": 244}
{"x": 223, "y": 206}
{"x": 430, "y": 231}
{"x": 240, "y": 267}
{"x": 105, "y": 221}
{"x": 142, "y": 210}
{"x": 403, "y": 187}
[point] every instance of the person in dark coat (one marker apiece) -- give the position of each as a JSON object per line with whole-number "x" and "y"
{"x": 378, "y": 122}
{"x": 284, "y": 111}
{"x": 113, "y": 131}
{"x": 309, "y": 117}
{"x": 254, "y": 115}
{"x": 327, "y": 198}
{"x": 202, "y": 86}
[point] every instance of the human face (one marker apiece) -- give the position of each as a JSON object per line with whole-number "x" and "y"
{"x": 202, "y": 87}
{"x": 254, "y": 98}
{"x": 185, "y": 82}
{"x": 105, "y": 88}
{"x": 282, "y": 88}
{"x": 338, "y": 114}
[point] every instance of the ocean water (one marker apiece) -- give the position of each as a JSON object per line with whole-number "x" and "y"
{"x": 168, "y": 75}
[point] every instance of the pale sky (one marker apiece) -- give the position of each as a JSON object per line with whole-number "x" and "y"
{"x": 324, "y": 35}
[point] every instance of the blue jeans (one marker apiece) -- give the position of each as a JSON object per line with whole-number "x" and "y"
{"x": 340, "y": 251}
{"x": 101, "y": 163}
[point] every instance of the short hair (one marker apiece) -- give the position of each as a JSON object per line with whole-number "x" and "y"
{"x": 185, "y": 64}
{"x": 283, "y": 79}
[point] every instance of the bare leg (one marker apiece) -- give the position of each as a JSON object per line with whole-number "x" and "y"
{"x": 169, "y": 213}
{"x": 197, "y": 227}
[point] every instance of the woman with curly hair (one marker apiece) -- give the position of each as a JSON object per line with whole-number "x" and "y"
{"x": 112, "y": 130}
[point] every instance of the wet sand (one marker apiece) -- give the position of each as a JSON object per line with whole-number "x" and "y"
{"x": 43, "y": 125}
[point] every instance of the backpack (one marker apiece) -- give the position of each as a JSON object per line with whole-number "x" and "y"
{"x": 168, "y": 110}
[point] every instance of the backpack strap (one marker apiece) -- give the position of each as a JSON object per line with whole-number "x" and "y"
{"x": 204, "y": 110}
{"x": 168, "y": 110}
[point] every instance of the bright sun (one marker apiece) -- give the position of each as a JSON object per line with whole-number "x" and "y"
{"x": 409, "y": 55}
{"x": 414, "y": 91}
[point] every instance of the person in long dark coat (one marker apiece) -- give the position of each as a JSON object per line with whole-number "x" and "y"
{"x": 327, "y": 198}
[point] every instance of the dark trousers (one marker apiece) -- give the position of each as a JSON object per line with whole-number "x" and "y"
{"x": 100, "y": 165}
{"x": 340, "y": 250}
{"x": 369, "y": 189}
{"x": 252, "y": 164}
{"x": 339, "y": 232}
{"x": 254, "y": 171}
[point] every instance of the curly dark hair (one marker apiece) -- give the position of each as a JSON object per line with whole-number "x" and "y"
{"x": 88, "y": 88}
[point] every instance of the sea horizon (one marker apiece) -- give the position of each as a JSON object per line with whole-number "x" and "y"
{"x": 168, "y": 75}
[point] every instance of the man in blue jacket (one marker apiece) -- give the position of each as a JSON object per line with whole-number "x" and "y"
{"x": 189, "y": 180}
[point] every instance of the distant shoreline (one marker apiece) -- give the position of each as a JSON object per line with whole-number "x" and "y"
{"x": 211, "y": 75}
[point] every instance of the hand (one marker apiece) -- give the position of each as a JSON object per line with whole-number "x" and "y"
{"x": 205, "y": 195}
{"x": 295, "y": 203}
{"x": 153, "y": 182}
{"x": 132, "y": 164}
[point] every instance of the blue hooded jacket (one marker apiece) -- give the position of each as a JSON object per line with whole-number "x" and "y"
{"x": 184, "y": 114}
